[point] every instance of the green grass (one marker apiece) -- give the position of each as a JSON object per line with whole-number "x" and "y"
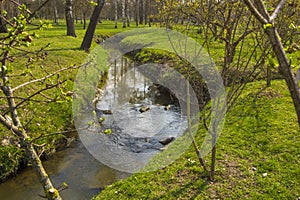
{"x": 261, "y": 131}
{"x": 62, "y": 51}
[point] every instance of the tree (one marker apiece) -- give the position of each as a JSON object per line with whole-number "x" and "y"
{"x": 3, "y": 28}
{"x": 88, "y": 37}
{"x": 15, "y": 46}
{"x": 258, "y": 9}
{"x": 70, "y": 19}
{"x": 116, "y": 13}
{"x": 124, "y": 13}
{"x": 137, "y": 12}
{"x": 55, "y": 14}
{"x": 227, "y": 25}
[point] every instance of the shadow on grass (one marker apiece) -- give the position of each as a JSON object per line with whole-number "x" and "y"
{"x": 189, "y": 190}
{"x": 64, "y": 49}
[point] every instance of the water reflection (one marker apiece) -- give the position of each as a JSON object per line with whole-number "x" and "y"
{"x": 75, "y": 166}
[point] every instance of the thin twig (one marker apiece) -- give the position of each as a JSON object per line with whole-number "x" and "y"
{"x": 255, "y": 12}
{"x": 44, "y": 78}
{"x": 277, "y": 10}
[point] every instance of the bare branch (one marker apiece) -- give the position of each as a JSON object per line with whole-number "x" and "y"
{"x": 255, "y": 12}
{"x": 56, "y": 133}
{"x": 39, "y": 8}
{"x": 44, "y": 78}
{"x": 277, "y": 10}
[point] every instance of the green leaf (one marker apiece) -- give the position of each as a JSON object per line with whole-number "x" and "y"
{"x": 94, "y": 4}
{"x": 292, "y": 26}
{"x": 267, "y": 26}
{"x": 108, "y": 131}
{"x": 101, "y": 120}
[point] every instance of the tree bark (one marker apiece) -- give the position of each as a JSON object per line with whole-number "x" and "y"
{"x": 141, "y": 15}
{"x": 116, "y": 13}
{"x": 3, "y": 28}
{"x": 284, "y": 67}
{"x": 55, "y": 12}
{"x": 88, "y": 37}
{"x": 259, "y": 11}
{"x": 69, "y": 19}
{"x": 137, "y": 12}
{"x": 124, "y": 13}
{"x": 128, "y": 13}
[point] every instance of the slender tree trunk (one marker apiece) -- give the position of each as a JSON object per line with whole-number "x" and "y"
{"x": 146, "y": 10}
{"x": 116, "y": 13}
{"x": 137, "y": 12}
{"x": 141, "y": 15}
{"x": 260, "y": 12}
{"x": 88, "y": 37}
{"x": 16, "y": 127}
{"x": 285, "y": 68}
{"x": 128, "y": 12}
{"x": 3, "y": 28}
{"x": 69, "y": 19}
{"x": 124, "y": 13}
{"x": 55, "y": 12}
{"x": 84, "y": 20}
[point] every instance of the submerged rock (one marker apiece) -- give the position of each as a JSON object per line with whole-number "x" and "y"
{"x": 144, "y": 109}
{"x": 167, "y": 141}
{"x": 167, "y": 107}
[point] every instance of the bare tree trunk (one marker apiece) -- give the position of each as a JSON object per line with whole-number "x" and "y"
{"x": 69, "y": 19}
{"x": 3, "y": 28}
{"x": 141, "y": 15}
{"x": 55, "y": 12}
{"x": 285, "y": 68}
{"x": 84, "y": 20}
{"x": 128, "y": 12}
{"x": 116, "y": 13}
{"x": 145, "y": 8}
{"x": 16, "y": 127}
{"x": 137, "y": 12}
{"x": 259, "y": 11}
{"x": 88, "y": 37}
{"x": 124, "y": 13}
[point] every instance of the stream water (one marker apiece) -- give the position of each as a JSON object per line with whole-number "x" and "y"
{"x": 129, "y": 90}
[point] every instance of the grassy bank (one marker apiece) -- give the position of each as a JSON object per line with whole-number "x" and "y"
{"x": 62, "y": 51}
{"x": 258, "y": 156}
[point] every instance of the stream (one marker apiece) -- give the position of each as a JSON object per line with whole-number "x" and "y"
{"x": 128, "y": 90}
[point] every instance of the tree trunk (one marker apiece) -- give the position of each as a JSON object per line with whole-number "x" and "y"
{"x": 116, "y": 13}
{"x": 55, "y": 12}
{"x": 88, "y": 37}
{"x": 50, "y": 191}
{"x": 128, "y": 12}
{"x": 137, "y": 12}
{"x": 260, "y": 12}
{"x": 284, "y": 67}
{"x": 141, "y": 15}
{"x": 3, "y": 28}
{"x": 69, "y": 19}
{"x": 84, "y": 20}
{"x": 124, "y": 13}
